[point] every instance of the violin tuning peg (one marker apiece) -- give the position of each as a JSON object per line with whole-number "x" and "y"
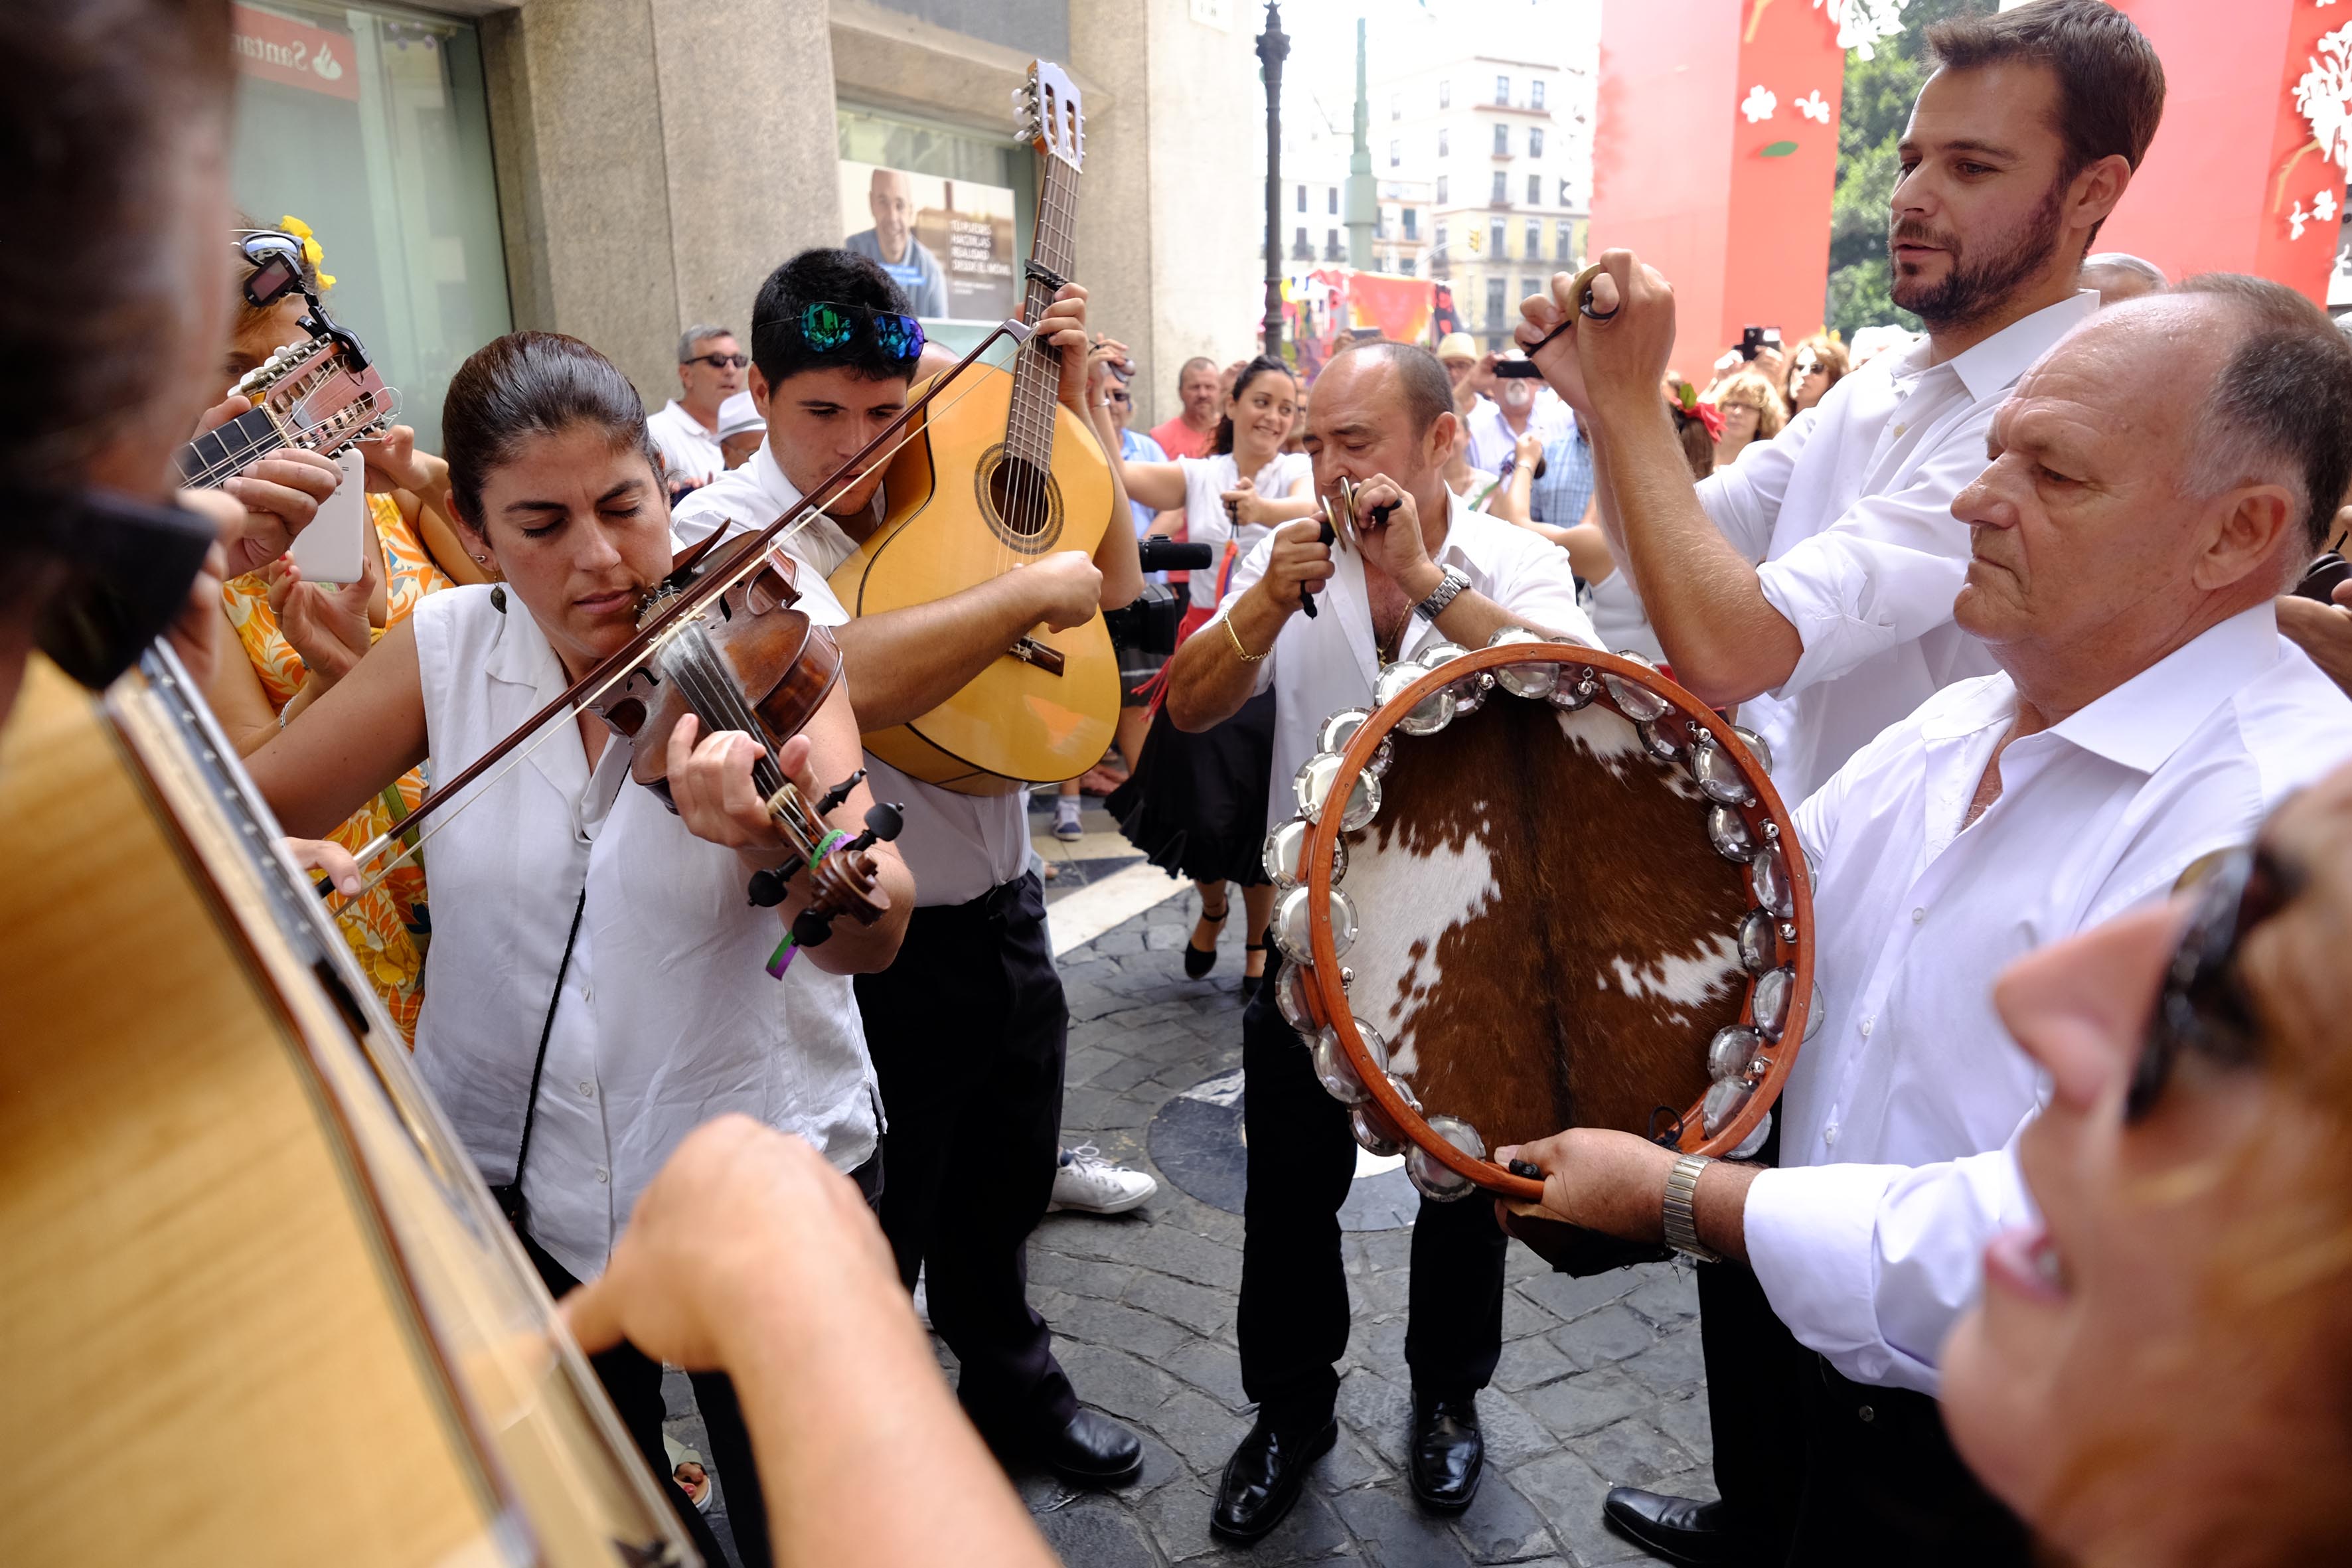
{"x": 811, "y": 929}
{"x": 886, "y": 820}
{"x": 767, "y": 889}
{"x": 831, "y": 799}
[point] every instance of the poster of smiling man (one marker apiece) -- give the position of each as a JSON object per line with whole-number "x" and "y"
{"x": 947, "y": 243}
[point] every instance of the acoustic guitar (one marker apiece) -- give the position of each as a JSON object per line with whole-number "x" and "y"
{"x": 256, "y": 1307}
{"x": 1004, "y": 475}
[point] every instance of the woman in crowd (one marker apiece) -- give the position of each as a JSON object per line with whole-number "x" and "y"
{"x": 1196, "y": 804}
{"x": 602, "y": 983}
{"x": 299, "y": 638}
{"x": 1818, "y": 364}
{"x": 2158, "y": 1373}
{"x": 1751, "y": 410}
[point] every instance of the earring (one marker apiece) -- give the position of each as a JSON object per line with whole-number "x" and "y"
{"x": 482, "y": 560}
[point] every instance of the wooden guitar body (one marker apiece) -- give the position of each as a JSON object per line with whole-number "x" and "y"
{"x": 957, "y": 518}
{"x": 256, "y": 1307}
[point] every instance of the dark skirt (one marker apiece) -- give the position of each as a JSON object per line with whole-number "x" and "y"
{"x": 1196, "y": 804}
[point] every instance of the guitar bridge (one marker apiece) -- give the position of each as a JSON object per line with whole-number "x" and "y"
{"x": 1030, "y": 651}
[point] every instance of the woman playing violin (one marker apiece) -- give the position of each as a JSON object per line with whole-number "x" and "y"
{"x": 597, "y": 960}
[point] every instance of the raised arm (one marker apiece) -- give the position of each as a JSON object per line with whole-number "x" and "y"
{"x": 1704, "y": 598}
{"x": 364, "y": 732}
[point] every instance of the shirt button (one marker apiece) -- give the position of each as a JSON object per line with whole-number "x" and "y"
{"x": 1829, "y": 1133}
{"x": 1865, "y": 1027}
{"x": 1866, "y": 1413}
{"x": 602, "y": 1175}
{"x": 1919, "y": 915}
{"x": 587, "y": 1089}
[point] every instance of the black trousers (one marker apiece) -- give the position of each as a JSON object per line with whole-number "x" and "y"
{"x": 1821, "y": 1471}
{"x": 633, "y": 1381}
{"x": 968, "y": 1031}
{"x": 1294, "y": 1306}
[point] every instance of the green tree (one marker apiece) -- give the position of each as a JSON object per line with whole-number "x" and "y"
{"x": 1878, "y": 98}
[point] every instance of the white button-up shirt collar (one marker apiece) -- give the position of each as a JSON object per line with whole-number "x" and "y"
{"x": 1849, "y": 514}
{"x": 1321, "y": 664}
{"x": 958, "y": 846}
{"x": 1915, "y": 914}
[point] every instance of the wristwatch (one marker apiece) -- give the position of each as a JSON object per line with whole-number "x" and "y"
{"x": 1681, "y": 1225}
{"x": 1457, "y": 580}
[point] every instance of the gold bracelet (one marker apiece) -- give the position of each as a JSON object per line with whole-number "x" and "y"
{"x": 1247, "y": 657}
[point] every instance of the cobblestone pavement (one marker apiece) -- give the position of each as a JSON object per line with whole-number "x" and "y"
{"x": 1599, "y": 1381}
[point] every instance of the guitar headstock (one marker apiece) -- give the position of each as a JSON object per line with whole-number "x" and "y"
{"x": 1052, "y": 119}
{"x": 317, "y": 399}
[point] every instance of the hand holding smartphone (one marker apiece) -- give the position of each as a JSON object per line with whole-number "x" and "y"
{"x": 329, "y": 550}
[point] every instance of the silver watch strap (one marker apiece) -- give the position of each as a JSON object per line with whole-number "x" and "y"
{"x": 1681, "y": 1223}
{"x": 1455, "y": 580}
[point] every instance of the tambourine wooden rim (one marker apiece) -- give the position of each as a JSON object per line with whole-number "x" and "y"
{"x": 1329, "y": 997}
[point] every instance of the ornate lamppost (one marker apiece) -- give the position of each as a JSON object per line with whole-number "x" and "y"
{"x": 1272, "y": 48}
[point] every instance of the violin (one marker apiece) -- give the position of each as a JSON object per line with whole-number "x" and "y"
{"x": 755, "y": 664}
{"x": 718, "y": 637}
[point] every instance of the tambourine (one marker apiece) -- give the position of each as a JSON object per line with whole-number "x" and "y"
{"x": 1538, "y": 886}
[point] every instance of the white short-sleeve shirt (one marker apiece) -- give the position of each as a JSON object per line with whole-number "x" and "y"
{"x": 689, "y": 453}
{"x": 668, "y": 1015}
{"x": 1206, "y": 480}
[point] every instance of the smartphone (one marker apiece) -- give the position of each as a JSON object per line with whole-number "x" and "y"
{"x": 330, "y": 547}
{"x": 1518, "y": 369}
{"x": 1772, "y": 338}
{"x": 1752, "y": 342}
{"x": 2319, "y": 581}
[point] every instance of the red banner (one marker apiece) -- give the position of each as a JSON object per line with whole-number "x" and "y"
{"x": 296, "y": 54}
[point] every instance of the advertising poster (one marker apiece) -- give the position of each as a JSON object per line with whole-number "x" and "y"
{"x": 947, "y": 243}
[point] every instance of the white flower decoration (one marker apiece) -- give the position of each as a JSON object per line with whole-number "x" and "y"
{"x": 1814, "y": 107}
{"x": 2323, "y": 97}
{"x": 1862, "y": 24}
{"x": 2295, "y": 222}
{"x": 1759, "y": 104}
{"x": 2323, "y": 205}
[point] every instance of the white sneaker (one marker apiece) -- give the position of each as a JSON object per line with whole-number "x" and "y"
{"x": 1084, "y": 1180}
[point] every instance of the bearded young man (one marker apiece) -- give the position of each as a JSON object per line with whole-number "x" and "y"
{"x": 1812, "y": 582}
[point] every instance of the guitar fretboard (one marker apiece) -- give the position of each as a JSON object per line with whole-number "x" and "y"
{"x": 216, "y": 454}
{"x": 1038, "y": 373}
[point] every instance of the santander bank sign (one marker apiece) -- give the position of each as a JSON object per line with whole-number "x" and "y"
{"x": 281, "y": 50}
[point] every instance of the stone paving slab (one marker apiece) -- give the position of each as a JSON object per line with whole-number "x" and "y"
{"x": 1599, "y": 1381}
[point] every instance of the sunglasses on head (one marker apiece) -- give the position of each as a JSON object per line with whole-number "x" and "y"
{"x": 2203, "y": 1006}
{"x": 828, "y": 327}
{"x": 276, "y": 258}
{"x": 717, "y": 362}
{"x": 116, "y": 575}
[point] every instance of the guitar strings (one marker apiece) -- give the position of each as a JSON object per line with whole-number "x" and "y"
{"x": 396, "y": 845}
{"x": 231, "y": 460}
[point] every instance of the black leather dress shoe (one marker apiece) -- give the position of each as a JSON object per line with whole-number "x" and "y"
{"x": 1092, "y": 1450}
{"x": 1678, "y": 1529}
{"x": 1263, "y": 1478}
{"x": 1448, "y": 1453}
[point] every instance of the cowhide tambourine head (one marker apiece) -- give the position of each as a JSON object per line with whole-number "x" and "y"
{"x": 1538, "y": 887}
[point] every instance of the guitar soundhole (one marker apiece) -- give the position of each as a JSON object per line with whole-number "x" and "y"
{"x": 1022, "y": 502}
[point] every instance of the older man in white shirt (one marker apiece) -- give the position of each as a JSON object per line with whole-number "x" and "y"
{"x": 1812, "y": 582}
{"x": 2155, "y": 478}
{"x": 1432, "y": 571}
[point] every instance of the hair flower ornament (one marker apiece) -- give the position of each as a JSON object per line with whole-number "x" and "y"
{"x": 312, "y": 251}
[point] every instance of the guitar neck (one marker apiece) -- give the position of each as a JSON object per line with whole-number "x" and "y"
{"x": 216, "y": 454}
{"x": 1037, "y": 370}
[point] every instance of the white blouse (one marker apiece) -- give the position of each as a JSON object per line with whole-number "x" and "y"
{"x": 668, "y": 1016}
{"x": 1206, "y": 480}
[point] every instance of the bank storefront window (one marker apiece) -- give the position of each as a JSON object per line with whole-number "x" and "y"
{"x": 370, "y": 123}
{"x": 947, "y": 212}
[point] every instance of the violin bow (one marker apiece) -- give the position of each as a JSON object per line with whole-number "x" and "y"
{"x": 688, "y": 603}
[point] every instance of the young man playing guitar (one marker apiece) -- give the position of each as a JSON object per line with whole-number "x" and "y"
{"x": 968, "y": 1028}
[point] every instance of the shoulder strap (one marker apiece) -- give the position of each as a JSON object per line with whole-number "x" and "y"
{"x": 554, "y": 997}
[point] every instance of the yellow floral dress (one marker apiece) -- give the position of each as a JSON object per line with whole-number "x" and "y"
{"x": 389, "y": 928}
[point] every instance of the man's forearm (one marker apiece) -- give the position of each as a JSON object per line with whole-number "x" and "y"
{"x": 1471, "y": 617}
{"x": 862, "y": 1453}
{"x": 902, "y": 664}
{"x": 1208, "y": 680}
{"x": 1704, "y": 599}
